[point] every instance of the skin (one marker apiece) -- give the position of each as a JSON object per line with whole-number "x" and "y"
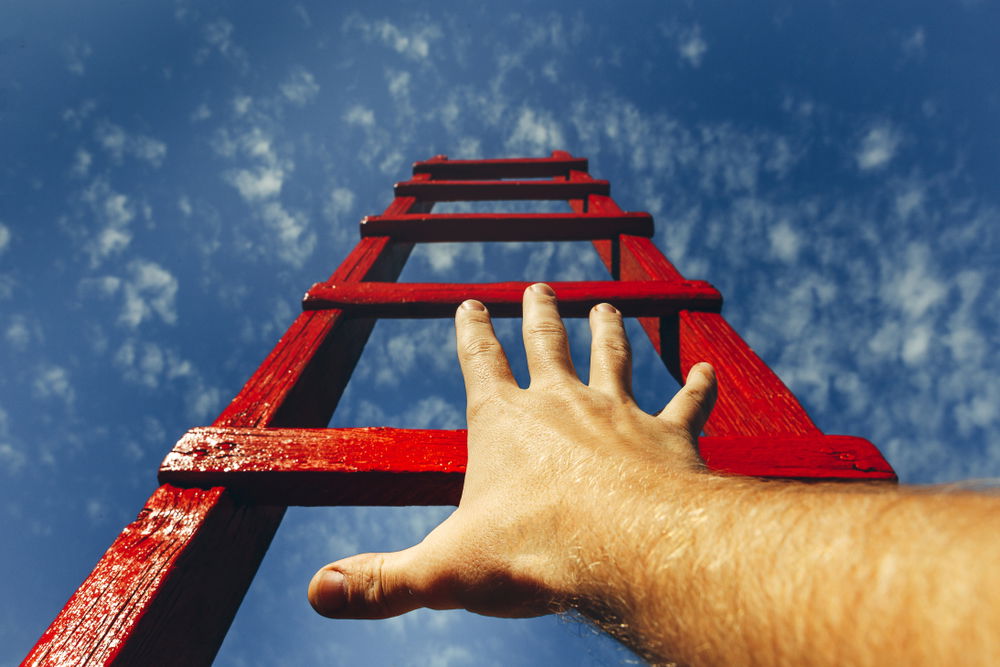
{"x": 576, "y": 499}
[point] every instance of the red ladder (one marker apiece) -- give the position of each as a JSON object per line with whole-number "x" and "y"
{"x": 167, "y": 589}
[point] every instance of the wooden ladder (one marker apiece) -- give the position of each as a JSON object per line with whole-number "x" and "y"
{"x": 167, "y": 589}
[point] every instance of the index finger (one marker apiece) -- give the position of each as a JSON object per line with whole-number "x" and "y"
{"x": 484, "y": 364}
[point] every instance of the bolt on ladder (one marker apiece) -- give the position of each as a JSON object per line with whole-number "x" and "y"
{"x": 167, "y": 589}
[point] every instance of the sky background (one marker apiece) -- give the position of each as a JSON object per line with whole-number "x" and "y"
{"x": 176, "y": 174}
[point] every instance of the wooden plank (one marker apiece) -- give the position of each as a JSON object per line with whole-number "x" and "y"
{"x": 425, "y": 300}
{"x": 503, "y": 168}
{"x": 174, "y": 609}
{"x": 499, "y": 190}
{"x": 455, "y": 227}
{"x": 391, "y": 466}
{"x": 346, "y": 466}
{"x": 752, "y": 399}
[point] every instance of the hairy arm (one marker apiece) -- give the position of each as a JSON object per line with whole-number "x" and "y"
{"x": 575, "y": 498}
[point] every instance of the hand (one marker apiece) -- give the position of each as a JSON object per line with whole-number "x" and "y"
{"x": 549, "y": 467}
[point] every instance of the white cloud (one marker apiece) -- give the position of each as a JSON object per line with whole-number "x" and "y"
{"x": 291, "y": 231}
{"x": 5, "y": 237}
{"x": 785, "y": 241}
{"x": 113, "y": 212}
{"x": 913, "y": 45}
{"x": 76, "y": 57}
{"x": 691, "y": 46}
{"x": 414, "y": 41}
{"x": 52, "y": 381}
{"x": 218, "y": 36}
{"x": 81, "y": 163}
{"x": 536, "y": 133}
{"x": 339, "y": 202}
{"x": 118, "y": 143}
{"x": 257, "y": 184}
{"x": 300, "y": 87}
{"x": 149, "y": 291}
{"x": 201, "y": 112}
{"x": 877, "y": 147}
{"x": 359, "y": 115}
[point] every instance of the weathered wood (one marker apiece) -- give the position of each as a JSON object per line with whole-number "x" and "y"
{"x": 190, "y": 593}
{"x": 454, "y": 227}
{"x": 499, "y": 190}
{"x": 442, "y": 168}
{"x": 391, "y": 466}
{"x": 342, "y": 466}
{"x": 425, "y": 300}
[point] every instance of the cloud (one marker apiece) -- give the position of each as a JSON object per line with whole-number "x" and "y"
{"x": 785, "y": 241}
{"x": 149, "y": 291}
{"x": 691, "y": 46}
{"x": 300, "y": 87}
{"x": 913, "y": 45}
{"x": 256, "y": 184}
{"x": 76, "y": 57}
{"x": 5, "y": 237}
{"x": 113, "y": 211}
{"x": 414, "y": 42}
{"x": 52, "y": 381}
{"x": 877, "y": 147}
{"x": 359, "y": 115}
{"x": 12, "y": 459}
{"x": 291, "y": 231}
{"x": 118, "y": 143}
{"x": 218, "y": 36}
{"x": 201, "y": 112}
{"x": 536, "y": 133}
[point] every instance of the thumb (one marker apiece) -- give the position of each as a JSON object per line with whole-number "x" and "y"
{"x": 365, "y": 586}
{"x": 691, "y": 406}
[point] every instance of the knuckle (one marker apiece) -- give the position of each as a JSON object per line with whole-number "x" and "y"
{"x": 615, "y": 346}
{"x": 545, "y": 329}
{"x": 478, "y": 347}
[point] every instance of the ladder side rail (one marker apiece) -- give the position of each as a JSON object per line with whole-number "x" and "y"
{"x": 752, "y": 398}
{"x": 165, "y": 592}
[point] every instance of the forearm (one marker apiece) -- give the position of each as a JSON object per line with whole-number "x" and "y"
{"x": 736, "y": 571}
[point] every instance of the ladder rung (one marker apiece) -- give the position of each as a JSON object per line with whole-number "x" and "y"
{"x": 507, "y": 168}
{"x": 451, "y": 227}
{"x": 391, "y": 466}
{"x": 425, "y": 300}
{"x": 500, "y": 190}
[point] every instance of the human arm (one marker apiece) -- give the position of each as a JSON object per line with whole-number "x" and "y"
{"x": 575, "y": 498}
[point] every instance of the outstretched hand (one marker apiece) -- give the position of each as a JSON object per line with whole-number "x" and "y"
{"x": 547, "y": 467}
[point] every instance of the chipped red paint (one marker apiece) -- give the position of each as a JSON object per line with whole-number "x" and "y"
{"x": 421, "y": 300}
{"x": 453, "y": 227}
{"x": 166, "y": 590}
{"x": 394, "y": 466}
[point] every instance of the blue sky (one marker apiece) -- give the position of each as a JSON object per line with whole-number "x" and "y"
{"x": 175, "y": 175}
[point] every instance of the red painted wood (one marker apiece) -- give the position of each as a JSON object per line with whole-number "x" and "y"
{"x": 505, "y": 168}
{"x": 814, "y": 457}
{"x": 752, "y": 399}
{"x": 499, "y": 190}
{"x": 351, "y": 466}
{"x": 506, "y": 227}
{"x": 420, "y": 300}
{"x": 207, "y": 562}
{"x": 390, "y": 466}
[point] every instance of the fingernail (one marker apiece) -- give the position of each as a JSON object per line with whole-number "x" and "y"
{"x": 605, "y": 308}
{"x": 472, "y": 304}
{"x": 542, "y": 288}
{"x": 329, "y": 592}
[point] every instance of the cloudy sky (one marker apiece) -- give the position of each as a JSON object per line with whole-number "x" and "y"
{"x": 176, "y": 174}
